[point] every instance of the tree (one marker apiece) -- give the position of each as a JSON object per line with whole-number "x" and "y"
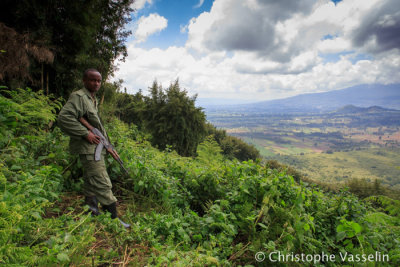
{"x": 16, "y": 54}
{"x": 173, "y": 119}
{"x": 232, "y": 147}
{"x": 80, "y": 34}
{"x": 131, "y": 108}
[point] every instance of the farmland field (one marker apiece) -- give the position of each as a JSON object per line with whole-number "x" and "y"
{"x": 330, "y": 147}
{"x": 369, "y": 164}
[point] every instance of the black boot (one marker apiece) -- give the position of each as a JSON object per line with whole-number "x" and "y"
{"x": 93, "y": 205}
{"x": 112, "y": 208}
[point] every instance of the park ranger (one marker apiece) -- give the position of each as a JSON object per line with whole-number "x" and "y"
{"x": 83, "y": 104}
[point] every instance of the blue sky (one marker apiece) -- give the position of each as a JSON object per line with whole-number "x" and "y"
{"x": 262, "y": 49}
{"x": 178, "y": 14}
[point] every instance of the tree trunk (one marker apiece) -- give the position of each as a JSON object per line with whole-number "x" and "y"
{"x": 42, "y": 78}
{"x": 47, "y": 83}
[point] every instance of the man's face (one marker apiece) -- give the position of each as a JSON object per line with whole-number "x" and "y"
{"x": 92, "y": 81}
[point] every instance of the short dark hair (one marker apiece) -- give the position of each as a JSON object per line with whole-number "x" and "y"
{"x": 86, "y": 72}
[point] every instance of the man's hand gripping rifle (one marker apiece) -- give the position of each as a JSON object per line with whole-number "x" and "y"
{"x": 103, "y": 143}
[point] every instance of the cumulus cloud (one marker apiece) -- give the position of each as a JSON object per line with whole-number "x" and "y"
{"x": 334, "y": 45}
{"x": 265, "y": 49}
{"x": 149, "y": 25}
{"x": 379, "y": 30}
{"x": 140, "y": 4}
{"x": 237, "y": 25}
{"x": 281, "y": 30}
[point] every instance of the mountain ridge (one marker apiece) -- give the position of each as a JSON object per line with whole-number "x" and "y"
{"x": 354, "y": 109}
{"x": 385, "y": 96}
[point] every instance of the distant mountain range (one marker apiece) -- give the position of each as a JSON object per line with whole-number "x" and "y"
{"x": 351, "y": 109}
{"x": 385, "y": 96}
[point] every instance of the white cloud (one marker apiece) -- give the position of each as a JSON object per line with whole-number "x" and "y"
{"x": 272, "y": 49}
{"x": 199, "y": 4}
{"x": 149, "y": 25}
{"x": 183, "y": 28}
{"x": 236, "y": 25}
{"x": 336, "y": 45}
{"x": 140, "y": 4}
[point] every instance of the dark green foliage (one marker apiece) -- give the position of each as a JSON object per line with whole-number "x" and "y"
{"x": 80, "y": 34}
{"x": 233, "y": 147}
{"x": 239, "y": 148}
{"x": 274, "y": 164}
{"x": 169, "y": 116}
{"x": 388, "y": 205}
{"x": 173, "y": 119}
{"x": 131, "y": 108}
{"x": 362, "y": 188}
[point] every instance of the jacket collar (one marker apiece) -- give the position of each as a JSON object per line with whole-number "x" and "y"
{"x": 94, "y": 99}
{"x": 87, "y": 92}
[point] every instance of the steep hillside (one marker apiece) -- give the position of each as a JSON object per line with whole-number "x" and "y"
{"x": 203, "y": 211}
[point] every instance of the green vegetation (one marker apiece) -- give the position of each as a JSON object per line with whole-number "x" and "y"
{"x": 171, "y": 119}
{"x": 232, "y": 147}
{"x": 184, "y": 211}
{"x": 207, "y": 209}
{"x": 48, "y": 44}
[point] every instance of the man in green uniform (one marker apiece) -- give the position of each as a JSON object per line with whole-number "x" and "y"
{"x": 83, "y": 103}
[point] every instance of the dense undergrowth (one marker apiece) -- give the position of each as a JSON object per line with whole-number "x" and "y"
{"x": 203, "y": 211}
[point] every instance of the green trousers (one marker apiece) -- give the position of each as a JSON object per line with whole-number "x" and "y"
{"x": 96, "y": 180}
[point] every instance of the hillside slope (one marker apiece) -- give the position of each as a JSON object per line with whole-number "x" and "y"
{"x": 354, "y": 109}
{"x": 183, "y": 211}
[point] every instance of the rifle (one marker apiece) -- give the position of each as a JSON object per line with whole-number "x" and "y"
{"x": 103, "y": 143}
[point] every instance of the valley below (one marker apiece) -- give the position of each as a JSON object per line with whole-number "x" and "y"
{"x": 335, "y": 146}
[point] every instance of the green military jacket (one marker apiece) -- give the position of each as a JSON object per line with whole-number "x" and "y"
{"x": 80, "y": 104}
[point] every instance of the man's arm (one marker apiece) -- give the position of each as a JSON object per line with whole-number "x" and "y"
{"x": 68, "y": 118}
